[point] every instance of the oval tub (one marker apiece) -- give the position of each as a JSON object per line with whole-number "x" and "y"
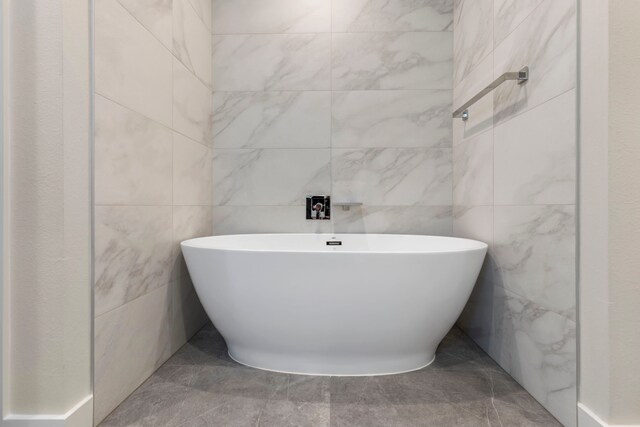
{"x": 374, "y": 305}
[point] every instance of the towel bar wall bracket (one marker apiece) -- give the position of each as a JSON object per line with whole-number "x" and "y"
{"x": 521, "y": 76}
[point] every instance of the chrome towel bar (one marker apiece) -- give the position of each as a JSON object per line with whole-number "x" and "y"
{"x": 521, "y": 76}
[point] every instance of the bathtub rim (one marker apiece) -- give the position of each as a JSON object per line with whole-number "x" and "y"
{"x": 474, "y": 245}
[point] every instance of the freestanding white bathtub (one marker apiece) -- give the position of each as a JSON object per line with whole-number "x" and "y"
{"x": 373, "y": 305}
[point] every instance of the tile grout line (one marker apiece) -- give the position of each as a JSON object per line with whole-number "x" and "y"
{"x": 169, "y": 128}
{"x": 170, "y": 50}
{"x": 495, "y": 46}
{"x": 200, "y": 17}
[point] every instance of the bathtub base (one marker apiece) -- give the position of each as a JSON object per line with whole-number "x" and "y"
{"x": 322, "y": 368}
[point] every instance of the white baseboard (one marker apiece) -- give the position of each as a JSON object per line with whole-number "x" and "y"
{"x": 587, "y": 418}
{"x": 81, "y": 415}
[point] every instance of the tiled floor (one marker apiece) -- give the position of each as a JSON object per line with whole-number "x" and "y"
{"x": 201, "y": 386}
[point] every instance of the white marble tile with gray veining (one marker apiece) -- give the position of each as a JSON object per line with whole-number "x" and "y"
{"x": 266, "y": 219}
{"x": 538, "y": 348}
{"x": 476, "y": 319}
{"x": 192, "y": 164}
{"x": 155, "y": 15}
{"x": 472, "y": 35}
{"x": 473, "y": 222}
{"x": 269, "y": 176}
{"x": 191, "y": 105}
{"x": 131, "y": 342}
{"x": 273, "y": 16}
{"x": 392, "y": 176}
{"x": 413, "y": 60}
{"x": 271, "y": 62}
{"x": 508, "y": 14}
{"x": 473, "y": 171}
{"x": 430, "y": 220}
{"x": 203, "y": 9}
{"x": 187, "y": 314}
{"x": 132, "y": 157}
{"x": 272, "y": 119}
{"x": 134, "y": 249}
{"x": 477, "y": 79}
{"x": 480, "y": 117}
{"x": 534, "y": 250}
{"x": 476, "y": 222}
{"x": 131, "y": 66}
{"x": 392, "y": 15}
{"x": 191, "y": 40}
{"x": 535, "y": 155}
{"x": 546, "y": 42}
{"x": 188, "y": 222}
{"x": 391, "y": 119}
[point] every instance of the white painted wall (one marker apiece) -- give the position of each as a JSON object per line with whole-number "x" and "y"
{"x": 624, "y": 209}
{"x": 47, "y": 213}
{"x": 609, "y": 214}
{"x": 593, "y": 208}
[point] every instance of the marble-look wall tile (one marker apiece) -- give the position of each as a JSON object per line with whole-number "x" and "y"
{"x": 273, "y": 16}
{"x": 409, "y": 60}
{"x": 131, "y": 66}
{"x": 191, "y": 40}
{"x": 392, "y": 177}
{"x": 272, "y": 119}
{"x": 188, "y": 222}
{"x": 535, "y": 155}
{"x": 191, "y": 172}
{"x": 286, "y": 62}
{"x": 132, "y": 157}
{"x": 392, "y": 15}
{"x": 476, "y": 222}
{"x": 191, "y": 105}
{"x": 147, "y": 104}
{"x": 534, "y": 250}
{"x": 133, "y": 253}
{"x": 131, "y": 342}
{"x": 477, "y": 316}
{"x": 546, "y": 42}
{"x": 538, "y": 348}
{"x": 473, "y": 171}
{"x": 522, "y": 309}
{"x": 269, "y": 176}
{"x": 481, "y": 113}
{"x": 203, "y": 9}
{"x": 477, "y": 79}
{"x": 431, "y": 220}
{"x": 473, "y": 222}
{"x": 472, "y": 35}
{"x": 391, "y": 119}
{"x": 187, "y": 313}
{"x": 265, "y": 219}
{"x": 155, "y": 15}
{"x": 508, "y": 14}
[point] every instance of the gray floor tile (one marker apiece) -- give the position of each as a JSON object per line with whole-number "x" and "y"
{"x": 201, "y": 386}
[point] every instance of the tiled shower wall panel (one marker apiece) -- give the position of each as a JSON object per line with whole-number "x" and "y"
{"x": 348, "y": 98}
{"x": 514, "y": 180}
{"x": 153, "y": 183}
